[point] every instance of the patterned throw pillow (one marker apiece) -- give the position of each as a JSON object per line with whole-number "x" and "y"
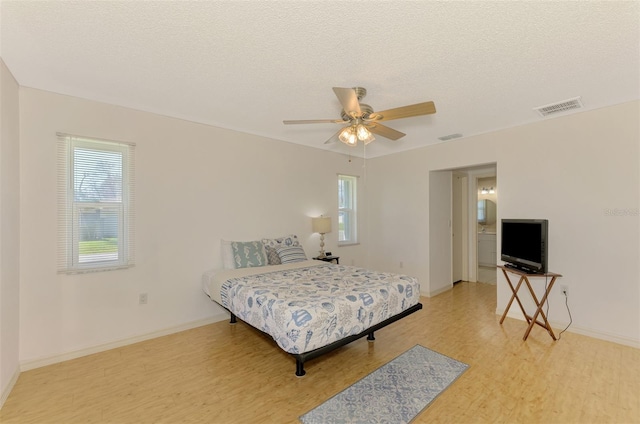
{"x": 248, "y": 254}
{"x": 272, "y": 256}
{"x": 289, "y": 254}
{"x": 270, "y": 246}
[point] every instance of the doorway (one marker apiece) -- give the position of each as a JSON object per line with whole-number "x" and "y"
{"x": 474, "y": 230}
{"x": 450, "y": 257}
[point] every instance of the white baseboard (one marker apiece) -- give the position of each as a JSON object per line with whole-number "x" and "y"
{"x": 578, "y": 330}
{"x": 7, "y": 390}
{"x": 41, "y": 362}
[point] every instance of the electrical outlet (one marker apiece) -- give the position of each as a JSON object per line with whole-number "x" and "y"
{"x": 564, "y": 290}
{"x": 142, "y": 299}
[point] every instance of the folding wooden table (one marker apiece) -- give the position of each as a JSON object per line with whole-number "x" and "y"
{"x": 524, "y": 277}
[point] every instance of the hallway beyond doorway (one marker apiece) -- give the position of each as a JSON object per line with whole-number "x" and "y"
{"x": 487, "y": 274}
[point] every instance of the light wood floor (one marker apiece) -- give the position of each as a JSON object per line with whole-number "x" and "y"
{"x": 223, "y": 373}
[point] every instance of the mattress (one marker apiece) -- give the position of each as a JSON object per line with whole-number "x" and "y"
{"x": 310, "y": 304}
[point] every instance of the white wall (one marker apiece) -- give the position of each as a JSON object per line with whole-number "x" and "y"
{"x": 440, "y": 229}
{"x": 196, "y": 184}
{"x": 396, "y": 212}
{"x": 571, "y": 170}
{"x": 9, "y": 231}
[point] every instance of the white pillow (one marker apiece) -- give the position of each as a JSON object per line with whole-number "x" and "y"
{"x": 227, "y": 254}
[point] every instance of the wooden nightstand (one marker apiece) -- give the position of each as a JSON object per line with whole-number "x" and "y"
{"x": 329, "y": 259}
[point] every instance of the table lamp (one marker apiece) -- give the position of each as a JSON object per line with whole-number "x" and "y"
{"x": 322, "y": 225}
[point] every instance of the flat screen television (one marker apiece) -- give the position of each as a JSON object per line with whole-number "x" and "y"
{"x": 524, "y": 244}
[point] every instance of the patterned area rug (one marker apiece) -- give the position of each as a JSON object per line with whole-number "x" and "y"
{"x": 394, "y": 393}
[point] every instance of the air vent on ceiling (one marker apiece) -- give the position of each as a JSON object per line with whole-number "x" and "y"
{"x": 449, "y": 137}
{"x": 563, "y": 106}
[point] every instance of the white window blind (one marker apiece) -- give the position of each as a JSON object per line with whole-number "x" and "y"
{"x": 95, "y": 204}
{"x": 347, "y": 208}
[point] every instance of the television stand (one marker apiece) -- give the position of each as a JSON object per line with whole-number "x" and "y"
{"x": 524, "y": 277}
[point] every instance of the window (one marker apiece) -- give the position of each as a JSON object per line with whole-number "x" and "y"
{"x": 347, "y": 201}
{"x": 95, "y": 204}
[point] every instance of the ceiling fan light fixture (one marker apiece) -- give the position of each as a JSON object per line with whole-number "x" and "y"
{"x": 364, "y": 134}
{"x": 348, "y": 136}
{"x": 353, "y": 133}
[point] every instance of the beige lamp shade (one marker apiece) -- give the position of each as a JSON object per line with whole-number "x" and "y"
{"x": 321, "y": 224}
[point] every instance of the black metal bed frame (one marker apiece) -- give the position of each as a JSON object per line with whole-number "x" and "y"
{"x": 301, "y": 358}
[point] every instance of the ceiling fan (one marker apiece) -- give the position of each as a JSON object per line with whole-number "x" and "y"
{"x": 362, "y": 122}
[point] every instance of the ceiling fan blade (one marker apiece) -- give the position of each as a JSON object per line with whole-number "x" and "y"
{"x": 349, "y": 101}
{"x": 314, "y": 121}
{"x": 384, "y": 131}
{"x": 334, "y": 138}
{"x": 426, "y": 108}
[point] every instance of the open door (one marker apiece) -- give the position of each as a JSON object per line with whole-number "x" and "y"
{"x": 459, "y": 227}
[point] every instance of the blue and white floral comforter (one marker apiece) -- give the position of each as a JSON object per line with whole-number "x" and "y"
{"x": 315, "y": 303}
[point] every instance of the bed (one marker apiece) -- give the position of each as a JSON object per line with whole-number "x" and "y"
{"x": 311, "y": 307}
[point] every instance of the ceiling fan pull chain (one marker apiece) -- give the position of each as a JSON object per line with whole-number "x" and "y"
{"x": 364, "y": 162}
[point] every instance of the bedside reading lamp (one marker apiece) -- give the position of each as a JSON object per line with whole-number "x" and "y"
{"x": 321, "y": 225}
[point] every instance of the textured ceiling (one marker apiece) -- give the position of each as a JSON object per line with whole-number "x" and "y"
{"x": 248, "y": 65}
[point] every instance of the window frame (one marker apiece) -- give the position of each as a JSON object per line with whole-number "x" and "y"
{"x": 348, "y": 209}
{"x": 70, "y": 208}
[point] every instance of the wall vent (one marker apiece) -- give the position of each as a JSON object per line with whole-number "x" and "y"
{"x": 449, "y": 137}
{"x": 563, "y": 106}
